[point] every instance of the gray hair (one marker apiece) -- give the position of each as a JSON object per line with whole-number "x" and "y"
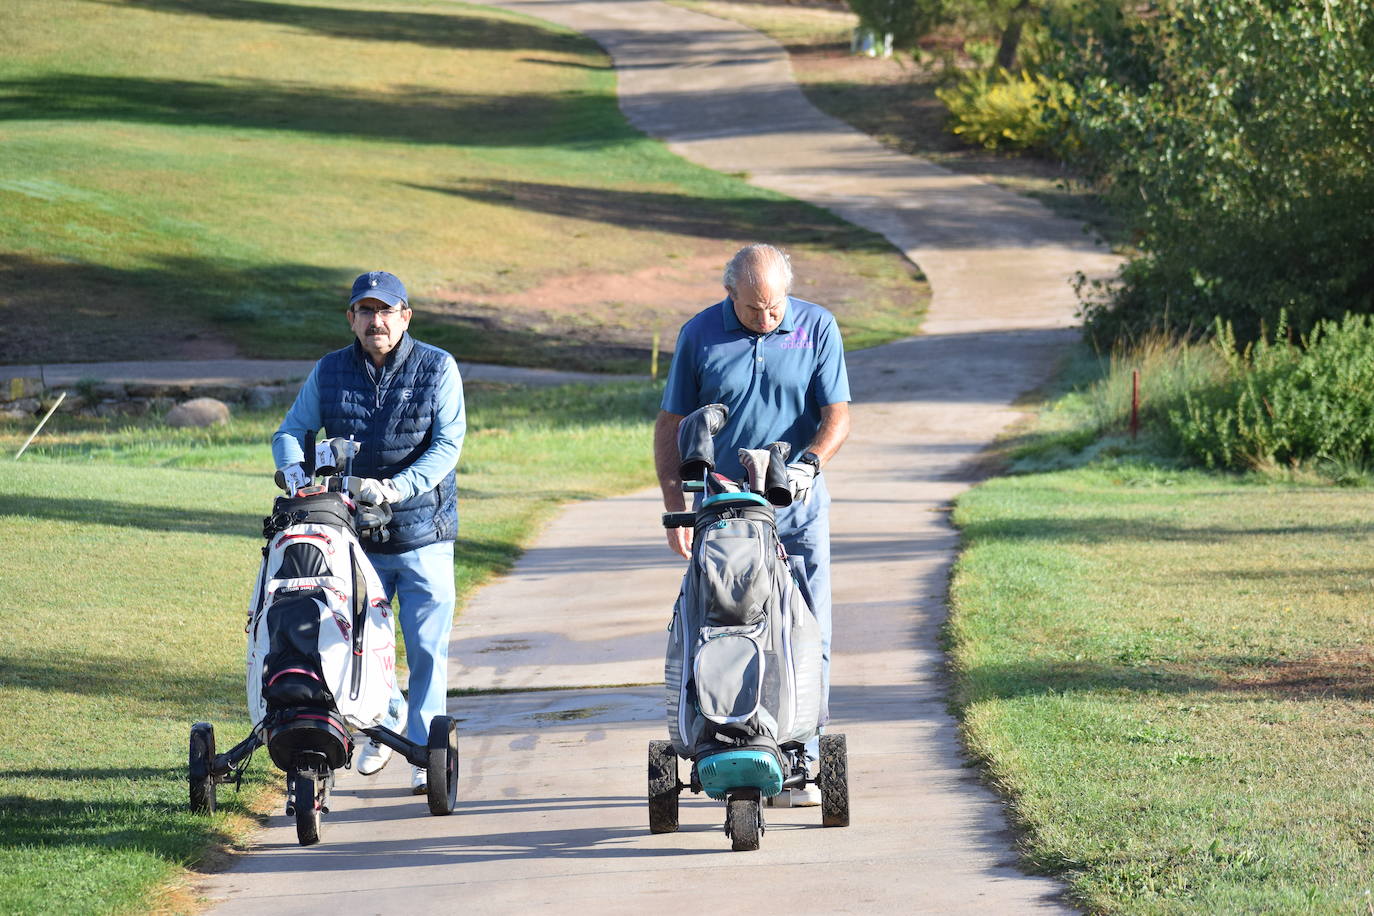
{"x": 752, "y": 262}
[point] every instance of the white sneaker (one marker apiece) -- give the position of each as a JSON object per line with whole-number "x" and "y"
{"x": 419, "y": 781}
{"x": 808, "y": 796}
{"x": 373, "y": 758}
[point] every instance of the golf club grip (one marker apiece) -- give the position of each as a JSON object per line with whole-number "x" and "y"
{"x": 679, "y": 519}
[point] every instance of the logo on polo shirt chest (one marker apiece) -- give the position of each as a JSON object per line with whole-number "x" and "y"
{"x": 798, "y": 340}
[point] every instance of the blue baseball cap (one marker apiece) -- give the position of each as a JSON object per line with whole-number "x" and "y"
{"x": 380, "y": 285}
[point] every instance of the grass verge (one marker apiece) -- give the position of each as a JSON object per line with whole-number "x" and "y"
{"x": 130, "y": 551}
{"x": 1168, "y": 673}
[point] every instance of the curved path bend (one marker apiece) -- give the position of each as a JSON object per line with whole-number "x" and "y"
{"x": 552, "y": 814}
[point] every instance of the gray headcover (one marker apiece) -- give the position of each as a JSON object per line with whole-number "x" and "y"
{"x": 755, "y": 461}
{"x": 767, "y": 470}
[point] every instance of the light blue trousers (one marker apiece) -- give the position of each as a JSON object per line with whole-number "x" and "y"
{"x": 421, "y": 581}
{"x": 805, "y": 533}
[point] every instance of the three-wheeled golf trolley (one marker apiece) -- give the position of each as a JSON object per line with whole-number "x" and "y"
{"x": 321, "y": 654}
{"x": 743, "y": 665}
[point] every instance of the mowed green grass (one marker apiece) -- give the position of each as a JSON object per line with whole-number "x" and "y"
{"x": 175, "y": 174}
{"x": 1169, "y": 674}
{"x": 130, "y": 552}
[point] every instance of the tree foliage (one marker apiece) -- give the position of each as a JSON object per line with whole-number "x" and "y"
{"x": 1238, "y": 138}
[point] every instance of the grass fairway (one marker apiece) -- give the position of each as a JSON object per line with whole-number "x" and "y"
{"x": 1169, "y": 674}
{"x": 129, "y": 555}
{"x": 215, "y": 172}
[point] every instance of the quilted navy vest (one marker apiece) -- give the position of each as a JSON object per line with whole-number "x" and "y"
{"x": 391, "y": 412}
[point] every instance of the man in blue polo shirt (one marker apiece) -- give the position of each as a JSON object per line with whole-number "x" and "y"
{"x": 402, "y": 401}
{"x": 777, "y": 363}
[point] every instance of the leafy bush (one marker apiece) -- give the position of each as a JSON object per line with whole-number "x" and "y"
{"x": 1281, "y": 403}
{"x": 1238, "y": 137}
{"x": 996, "y": 110}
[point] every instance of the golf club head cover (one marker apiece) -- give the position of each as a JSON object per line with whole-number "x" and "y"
{"x": 755, "y": 461}
{"x": 694, "y": 443}
{"x": 325, "y": 463}
{"x": 331, "y": 455}
{"x": 776, "y": 488}
{"x": 372, "y": 521}
{"x": 291, "y": 478}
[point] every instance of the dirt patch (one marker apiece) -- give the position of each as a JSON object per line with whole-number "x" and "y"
{"x": 674, "y": 287}
{"x": 607, "y": 322}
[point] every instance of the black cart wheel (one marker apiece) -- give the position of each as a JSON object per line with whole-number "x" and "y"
{"x": 200, "y": 769}
{"x": 442, "y": 776}
{"x": 663, "y": 787}
{"x": 834, "y": 781}
{"x": 744, "y": 822}
{"x": 305, "y": 794}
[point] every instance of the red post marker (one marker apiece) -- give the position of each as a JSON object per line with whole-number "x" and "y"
{"x": 1135, "y": 402}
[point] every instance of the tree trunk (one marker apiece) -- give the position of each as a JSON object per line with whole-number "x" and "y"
{"x": 1011, "y": 36}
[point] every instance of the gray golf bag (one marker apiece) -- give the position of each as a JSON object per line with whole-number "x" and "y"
{"x": 743, "y": 665}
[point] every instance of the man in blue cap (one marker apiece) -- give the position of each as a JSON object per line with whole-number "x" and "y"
{"x": 777, "y": 363}
{"x": 402, "y": 401}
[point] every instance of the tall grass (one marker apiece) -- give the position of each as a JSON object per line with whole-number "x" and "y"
{"x": 1280, "y": 405}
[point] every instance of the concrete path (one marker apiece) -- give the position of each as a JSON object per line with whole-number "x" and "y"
{"x": 552, "y": 814}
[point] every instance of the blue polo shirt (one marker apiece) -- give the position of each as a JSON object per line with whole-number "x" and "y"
{"x": 774, "y": 384}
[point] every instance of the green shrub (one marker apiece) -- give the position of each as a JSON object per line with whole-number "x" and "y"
{"x": 996, "y": 110}
{"x": 1283, "y": 403}
{"x": 1237, "y": 137}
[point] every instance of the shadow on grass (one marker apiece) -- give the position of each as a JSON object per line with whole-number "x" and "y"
{"x": 1317, "y": 677}
{"x": 1108, "y": 529}
{"x": 189, "y": 519}
{"x": 784, "y": 222}
{"x": 189, "y": 693}
{"x": 133, "y": 826}
{"x": 418, "y": 116}
{"x": 456, "y": 29}
{"x": 75, "y": 312}
{"x": 481, "y": 337}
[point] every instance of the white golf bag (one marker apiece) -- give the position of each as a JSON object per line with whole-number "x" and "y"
{"x": 321, "y": 634}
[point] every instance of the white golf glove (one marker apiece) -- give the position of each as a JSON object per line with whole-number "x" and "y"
{"x": 333, "y": 454}
{"x": 371, "y": 490}
{"x": 800, "y": 476}
{"x": 292, "y": 478}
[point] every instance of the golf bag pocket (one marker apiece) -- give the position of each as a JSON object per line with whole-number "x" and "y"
{"x": 728, "y": 674}
{"x": 734, "y": 573}
{"x": 291, "y": 674}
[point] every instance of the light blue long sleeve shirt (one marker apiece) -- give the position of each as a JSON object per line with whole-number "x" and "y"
{"x": 446, "y": 443}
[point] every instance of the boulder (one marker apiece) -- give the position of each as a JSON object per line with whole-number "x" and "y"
{"x": 199, "y": 412}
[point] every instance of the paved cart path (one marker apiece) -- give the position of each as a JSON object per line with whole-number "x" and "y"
{"x": 552, "y": 814}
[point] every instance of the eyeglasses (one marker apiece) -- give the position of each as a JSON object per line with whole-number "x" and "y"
{"x": 390, "y": 311}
